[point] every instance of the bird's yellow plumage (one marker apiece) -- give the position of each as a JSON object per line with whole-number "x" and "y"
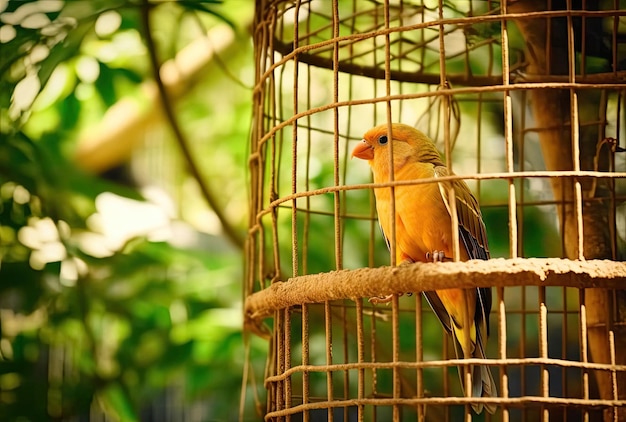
{"x": 423, "y": 232}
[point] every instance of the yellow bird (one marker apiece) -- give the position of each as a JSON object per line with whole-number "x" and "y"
{"x": 424, "y": 233}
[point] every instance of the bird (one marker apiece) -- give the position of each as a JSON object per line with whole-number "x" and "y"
{"x": 423, "y": 233}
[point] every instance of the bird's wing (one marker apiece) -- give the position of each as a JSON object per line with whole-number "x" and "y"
{"x": 384, "y": 235}
{"x": 473, "y": 235}
{"x": 433, "y": 300}
{"x": 471, "y": 227}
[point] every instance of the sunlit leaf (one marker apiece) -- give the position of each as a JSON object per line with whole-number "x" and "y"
{"x": 117, "y": 401}
{"x": 63, "y": 51}
{"x": 105, "y": 86}
{"x": 203, "y": 6}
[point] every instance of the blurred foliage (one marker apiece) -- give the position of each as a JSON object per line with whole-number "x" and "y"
{"x": 92, "y": 324}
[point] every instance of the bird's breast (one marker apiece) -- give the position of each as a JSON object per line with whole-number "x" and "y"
{"x": 421, "y": 218}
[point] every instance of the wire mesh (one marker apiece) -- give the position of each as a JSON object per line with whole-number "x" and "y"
{"x": 526, "y": 102}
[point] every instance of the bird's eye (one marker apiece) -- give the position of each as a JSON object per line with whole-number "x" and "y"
{"x": 383, "y": 140}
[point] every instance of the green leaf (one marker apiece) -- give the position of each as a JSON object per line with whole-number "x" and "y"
{"x": 117, "y": 401}
{"x": 69, "y": 110}
{"x": 104, "y": 85}
{"x": 202, "y": 6}
{"x": 62, "y": 51}
{"x": 17, "y": 48}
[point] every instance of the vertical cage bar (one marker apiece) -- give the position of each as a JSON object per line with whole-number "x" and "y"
{"x": 615, "y": 409}
{"x": 614, "y": 37}
{"x": 444, "y": 372}
{"x": 287, "y": 359}
{"x": 393, "y": 250}
{"x": 464, "y": 375}
{"x": 294, "y": 152}
{"x": 419, "y": 355}
{"x": 360, "y": 342}
{"x": 306, "y": 231}
{"x": 564, "y": 343}
{"x": 584, "y": 349}
{"x": 508, "y": 141}
{"x": 392, "y": 208}
{"x": 346, "y": 358}
{"x": 374, "y": 359}
{"x": 521, "y": 148}
{"x": 523, "y": 293}
{"x": 479, "y": 144}
{"x": 397, "y": 380}
{"x": 543, "y": 351}
{"x": 306, "y": 379}
{"x": 329, "y": 356}
{"x": 336, "y": 195}
{"x": 504, "y": 377}
{"x": 294, "y": 215}
{"x": 575, "y": 134}
{"x": 612, "y": 183}
{"x": 279, "y": 346}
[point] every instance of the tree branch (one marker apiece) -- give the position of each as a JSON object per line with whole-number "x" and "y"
{"x": 180, "y": 138}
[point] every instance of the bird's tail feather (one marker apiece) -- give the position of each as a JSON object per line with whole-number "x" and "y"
{"x": 483, "y": 384}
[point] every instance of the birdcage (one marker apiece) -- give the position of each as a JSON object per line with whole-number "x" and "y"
{"x": 525, "y": 101}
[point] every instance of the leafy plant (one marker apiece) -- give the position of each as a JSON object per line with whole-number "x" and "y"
{"x": 108, "y": 301}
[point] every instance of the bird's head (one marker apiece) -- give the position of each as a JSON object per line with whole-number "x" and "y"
{"x": 409, "y": 144}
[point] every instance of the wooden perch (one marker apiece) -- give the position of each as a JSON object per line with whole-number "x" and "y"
{"x": 419, "y": 277}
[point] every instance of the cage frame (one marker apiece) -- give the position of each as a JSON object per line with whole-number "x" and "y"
{"x": 279, "y": 295}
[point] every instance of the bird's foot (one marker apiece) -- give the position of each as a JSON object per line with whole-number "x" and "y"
{"x": 377, "y": 300}
{"x": 437, "y": 256}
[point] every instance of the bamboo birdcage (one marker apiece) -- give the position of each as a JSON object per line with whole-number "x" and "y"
{"x": 526, "y": 101}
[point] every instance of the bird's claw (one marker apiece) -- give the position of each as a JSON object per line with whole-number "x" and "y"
{"x": 437, "y": 256}
{"x": 377, "y": 300}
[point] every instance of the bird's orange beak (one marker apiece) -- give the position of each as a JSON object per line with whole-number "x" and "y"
{"x": 363, "y": 151}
